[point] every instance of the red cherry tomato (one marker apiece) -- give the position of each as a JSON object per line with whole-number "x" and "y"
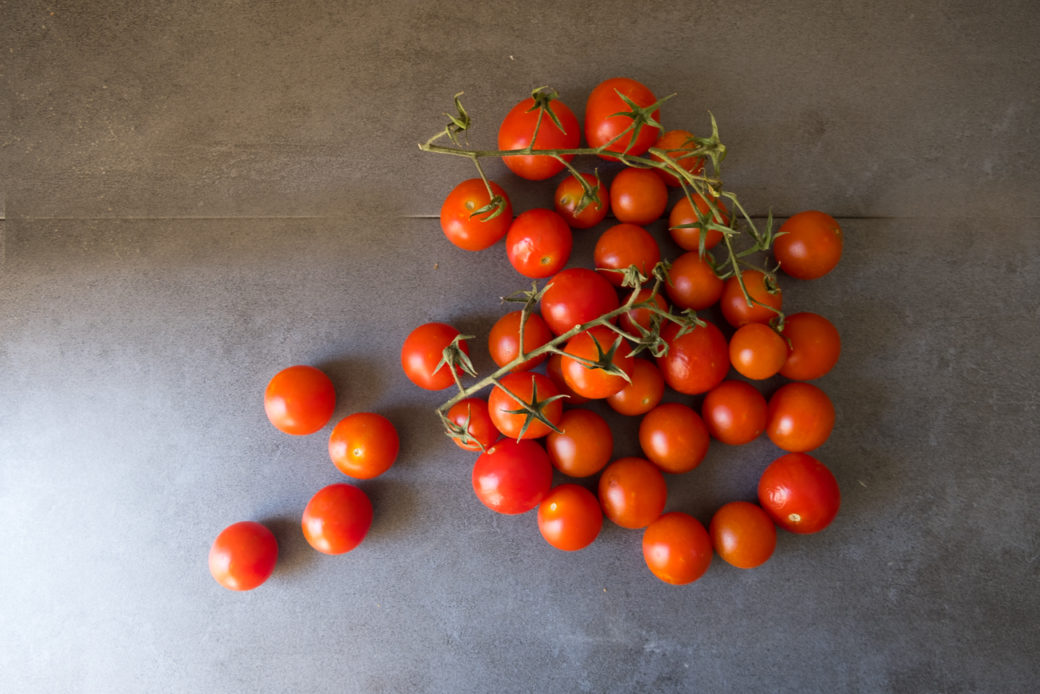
{"x": 422, "y": 355}
{"x": 554, "y": 369}
{"x": 518, "y": 130}
{"x": 734, "y": 412}
{"x": 512, "y": 476}
{"x": 538, "y": 243}
{"x": 800, "y": 417}
{"x": 471, "y": 415}
{"x": 629, "y": 320}
{"x": 692, "y": 282}
{"x": 583, "y": 445}
{"x": 808, "y": 245}
{"x": 576, "y": 296}
{"x": 569, "y": 196}
{"x": 621, "y": 246}
{"x": 569, "y": 517}
{"x": 766, "y": 299}
{"x": 463, "y": 222}
{"x": 696, "y": 361}
{"x": 643, "y": 394}
{"x": 592, "y": 346}
{"x": 673, "y": 436}
{"x": 638, "y": 196}
{"x": 677, "y": 548}
{"x": 605, "y": 127}
{"x": 757, "y": 351}
{"x": 743, "y": 534}
{"x": 299, "y": 400}
{"x": 504, "y": 340}
{"x": 337, "y": 518}
{"x": 507, "y": 412}
{"x": 799, "y": 493}
{"x": 677, "y": 145}
{"x": 632, "y": 492}
{"x": 814, "y": 346}
{"x": 243, "y": 556}
{"x": 364, "y": 445}
{"x": 686, "y": 222}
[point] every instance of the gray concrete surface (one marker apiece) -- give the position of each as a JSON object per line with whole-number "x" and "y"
{"x": 194, "y": 195}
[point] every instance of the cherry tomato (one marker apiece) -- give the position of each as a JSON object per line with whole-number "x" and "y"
{"x": 504, "y": 340}
{"x": 743, "y": 534}
{"x": 518, "y": 130}
{"x": 422, "y": 355}
{"x": 569, "y": 196}
{"x": 677, "y": 548}
{"x": 569, "y": 517}
{"x": 808, "y": 245}
{"x": 299, "y": 400}
{"x": 643, "y": 394}
{"x": 814, "y": 346}
{"x": 364, "y": 445}
{"x": 337, "y": 518}
{"x": 696, "y": 361}
{"x": 734, "y": 412}
{"x": 463, "y": 222}
{"x": 638, "y": 196}
{"x": 583, "y": 445}
{"x": 799, "y": 493}
{"x": 576, "y": 296}
{"x": 508, "y": 414}
{"x": 757, "y": 351}
{"x": 632, "y": 492}
{"x": 685, "y": 223}
{"x": 800, "y": 417}
{"x": 621, "y": 246}
{"x": 512, "y": 476}
{"x": 471, "y": 415}
{"x": 641, "y": 316}
{"x": 538, "y": 243}
{"x": 765, "y": 297}
{"x": 554, "y": 369}
{"x": 606, "y": 126}
{"x": 593, "y": 345}
{"x": 677, "y": 145}
{"x": 243, "y": 555}
{"x": 673, "y": 436}
{"x": 692, "y": 282}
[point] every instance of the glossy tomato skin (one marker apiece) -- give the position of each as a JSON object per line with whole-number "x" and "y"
{"x": 602, "y": 125}
{"x": 504, "y": 339}
{"x": 800, "y": 417}
{"x": 673, "y": 436}
{"x": 765, "y": 300}
{"x": 568, "y": 197}
{"x": 576, "y": 296}
{"x": 814, "y": 346}
{"x": 808, "y": 245}
{"x": 525, "y": 385}
{"x": 677, "y": 144}
{"x": 643, "y": 394}
{"x": 337, "y": 518}
{"x": 677, "y": 548}
{"x": 518, "y": 130}
{"x": 243, "y": 555}
{"x": 799, "y": 493}
{"x": 538, "y": 243}
{"x": 692, "y": 282}
{"x": 734, "y": 412}
{"x": 686, "y": 221}
{"x": 583, "y": 445}
{"x": 757, "y": 351}
{"x": 422, "y": 352}
{"x": 695, "y": 362}
{"x": 569, "y": 517}
{"x": 463, "y": 226}
{"x": 512, "y": 477}
{"x": 743, "y": 534}
{"x": 299, "y": 400}
{"x": 632, "y": 492}
{"x": 595, "y": 383}
{"x": 638, "y": 196}
{"x": 364, "y": 445}
{"x": 472, "y": 415}
{"x": 621, "y": 246}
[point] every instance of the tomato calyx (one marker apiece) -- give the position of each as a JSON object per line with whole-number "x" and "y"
{"x": 533, "y": 410}
{"x": 642, "y": 117}
{"x": 455, "y": 358}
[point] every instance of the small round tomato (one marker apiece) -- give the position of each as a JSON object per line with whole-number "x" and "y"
{"x": 364, "y": 445}
{"x": 464, "y": 222}
{"x": 422, "y": 355}
{"x": 569, "y": 517}
{"x": 800, "y": 417}
{"x": 640, "y": 317}
{"x": 243, "y": 555}
{"x": 814, "y": 346}
{"x": 766, "y": 299}
{"x": 594, "y": 345}
{"x": 677, "y": 145}
{"x": 299, "y": 400}
{"x": 471, "y": 416}
{"x": 538, "y": 243}
{"x": 622, "y": 246}
{"x": 692, "y": 282}
{"x": 686, "y": 222}
{"x": 515, "y": 394}
{"x": 757, "y": 351}
{"x": 583, "y": 445}
{"x": 799, "y": 493}
{"x": 696, "y": 361}
{"x": 518, "y": 130}
{"x": 504, "y": 340}
{"x": 644, "y": 392}
{"x": 337, "y": 518}
{"x": 743, "y": 534}
{"x": 606, "y": 122}
{"x": 632, "y": 492}
{"x": 573, "y": 203}
{"x": 673, "y": 436}
{"x": 808, "y": 245}
{"x": 734, "y": 412}
{"x": 554, "y": 369}
{"x": 638, "y": 196}
{"x": 677, "y": 548}
{"x": 576, "y": 296}
{"x": 512, "y": 476}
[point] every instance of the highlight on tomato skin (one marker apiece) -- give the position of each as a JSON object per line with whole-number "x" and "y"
{"x": 677, "y": 548}
{"x": 337, "y": 518}
{"x": 570, "y": 517}
{"x": 299, "y": 400}
{"x": 243, "y": 556}
{"x": 800, "y": 493}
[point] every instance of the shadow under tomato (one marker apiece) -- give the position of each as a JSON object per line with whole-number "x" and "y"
{"x": 294, "y": 554}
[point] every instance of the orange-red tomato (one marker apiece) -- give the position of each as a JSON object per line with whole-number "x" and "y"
{"x": 734, "y": 412}
{"x": 624, "y": 245}
{"x": 518, "y": 130}
{"x": 677, "y": 145}
{"x": 299, "y": 400}
{"x": 509, "y": 414}
{"x": 677, "y": 548}
{"x": 757, "y": 351}
{"x": 463, "y": 222}
{"x": 808, "y": 245}
{"x": 243, "y": 556}
{"x": 538, "y": 243}
{"x": 472, "y": 416}
{"x": 673, "y": 436}
{"x": 692, "y": 282}
{"x": 800, "y": 417}
{"x": 364, "y": 445}
{"x": 593, "y": 345}
{"x": 554, "y": 369}
{"x": 605, "y": 126}
{"x": 570, "y": 194}
{"x": 337, "y": 518}
{"x": 696, "y": 361}
{"x": 766, "y": 299}
{"x": 814, "y": 346}
{"x": 632, "y": 492}
{"x": 643, "y": 394}
{"x": 685, "y": 223}
{"x": 638, "y": 196}
{"x": 743, "y": 534}
{"x": 504, "y": 339}
{"x": 629, "y": 320}
{"x": 422, "y": 355}
{"x": 569, "y": 517}
{"x": 799, "y": 493}
{"x": 576, "y": 296}
{"x": 512, "y": 476}
{"x": 583, "y": 445}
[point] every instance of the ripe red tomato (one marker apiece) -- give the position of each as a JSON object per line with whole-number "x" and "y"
{"x": 576, "y": 296}
{"x": 472, "y": 416}
{"x": 518, "y": 130}
{"x": 583, "y": 445}
{"x": 507, "y": 412}
{"x": 800, "y": 417}
{"x": 814, "y": 346}
{"x": 757, "y": 351}
{"x": 538, "y": 243}
{"x": 604, "y": 124}
{"x": 677, "y": 548}
{"x": 677, "y": 145}
{"x": 243, "y": 555}
{"x": 595, "y": 383}
{"x": 364, "y": 445}
{"x": 569, "y": 517}
{"x": 423, "y": 352}
{"x": 504, "y": 340}
{"x": 686, "y": 223}
{"x": 808, "y": 245}
{"x": 554, "y": 369}
{"x": 569, "y": 196}
{"x": 643, "y": 394}
{"x": 673, "y": 436}
{"x": 766, "y": 299}
{"x": 337, "y": 518}
{"x": 299, "y": 400}
{"x": 621, "y": 246}
{"x": 696, "y": 361}
{"x": 641, "y": 316}
{"x": 632, "y": 492}
{"x": 464, "y": 224}
{"x": 734, "y": 412}
{"x": 743, "y": 534}
{"x": 799, "y": 493}
{"x": 512, "y": 476}
{"x": 692, "y": 282}
{"x": 638, "y": 196}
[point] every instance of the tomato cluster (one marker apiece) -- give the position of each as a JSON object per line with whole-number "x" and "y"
{"x": 621, "y": 333}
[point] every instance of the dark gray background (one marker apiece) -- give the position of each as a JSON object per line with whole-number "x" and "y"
{"x": 194, "y": 195}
